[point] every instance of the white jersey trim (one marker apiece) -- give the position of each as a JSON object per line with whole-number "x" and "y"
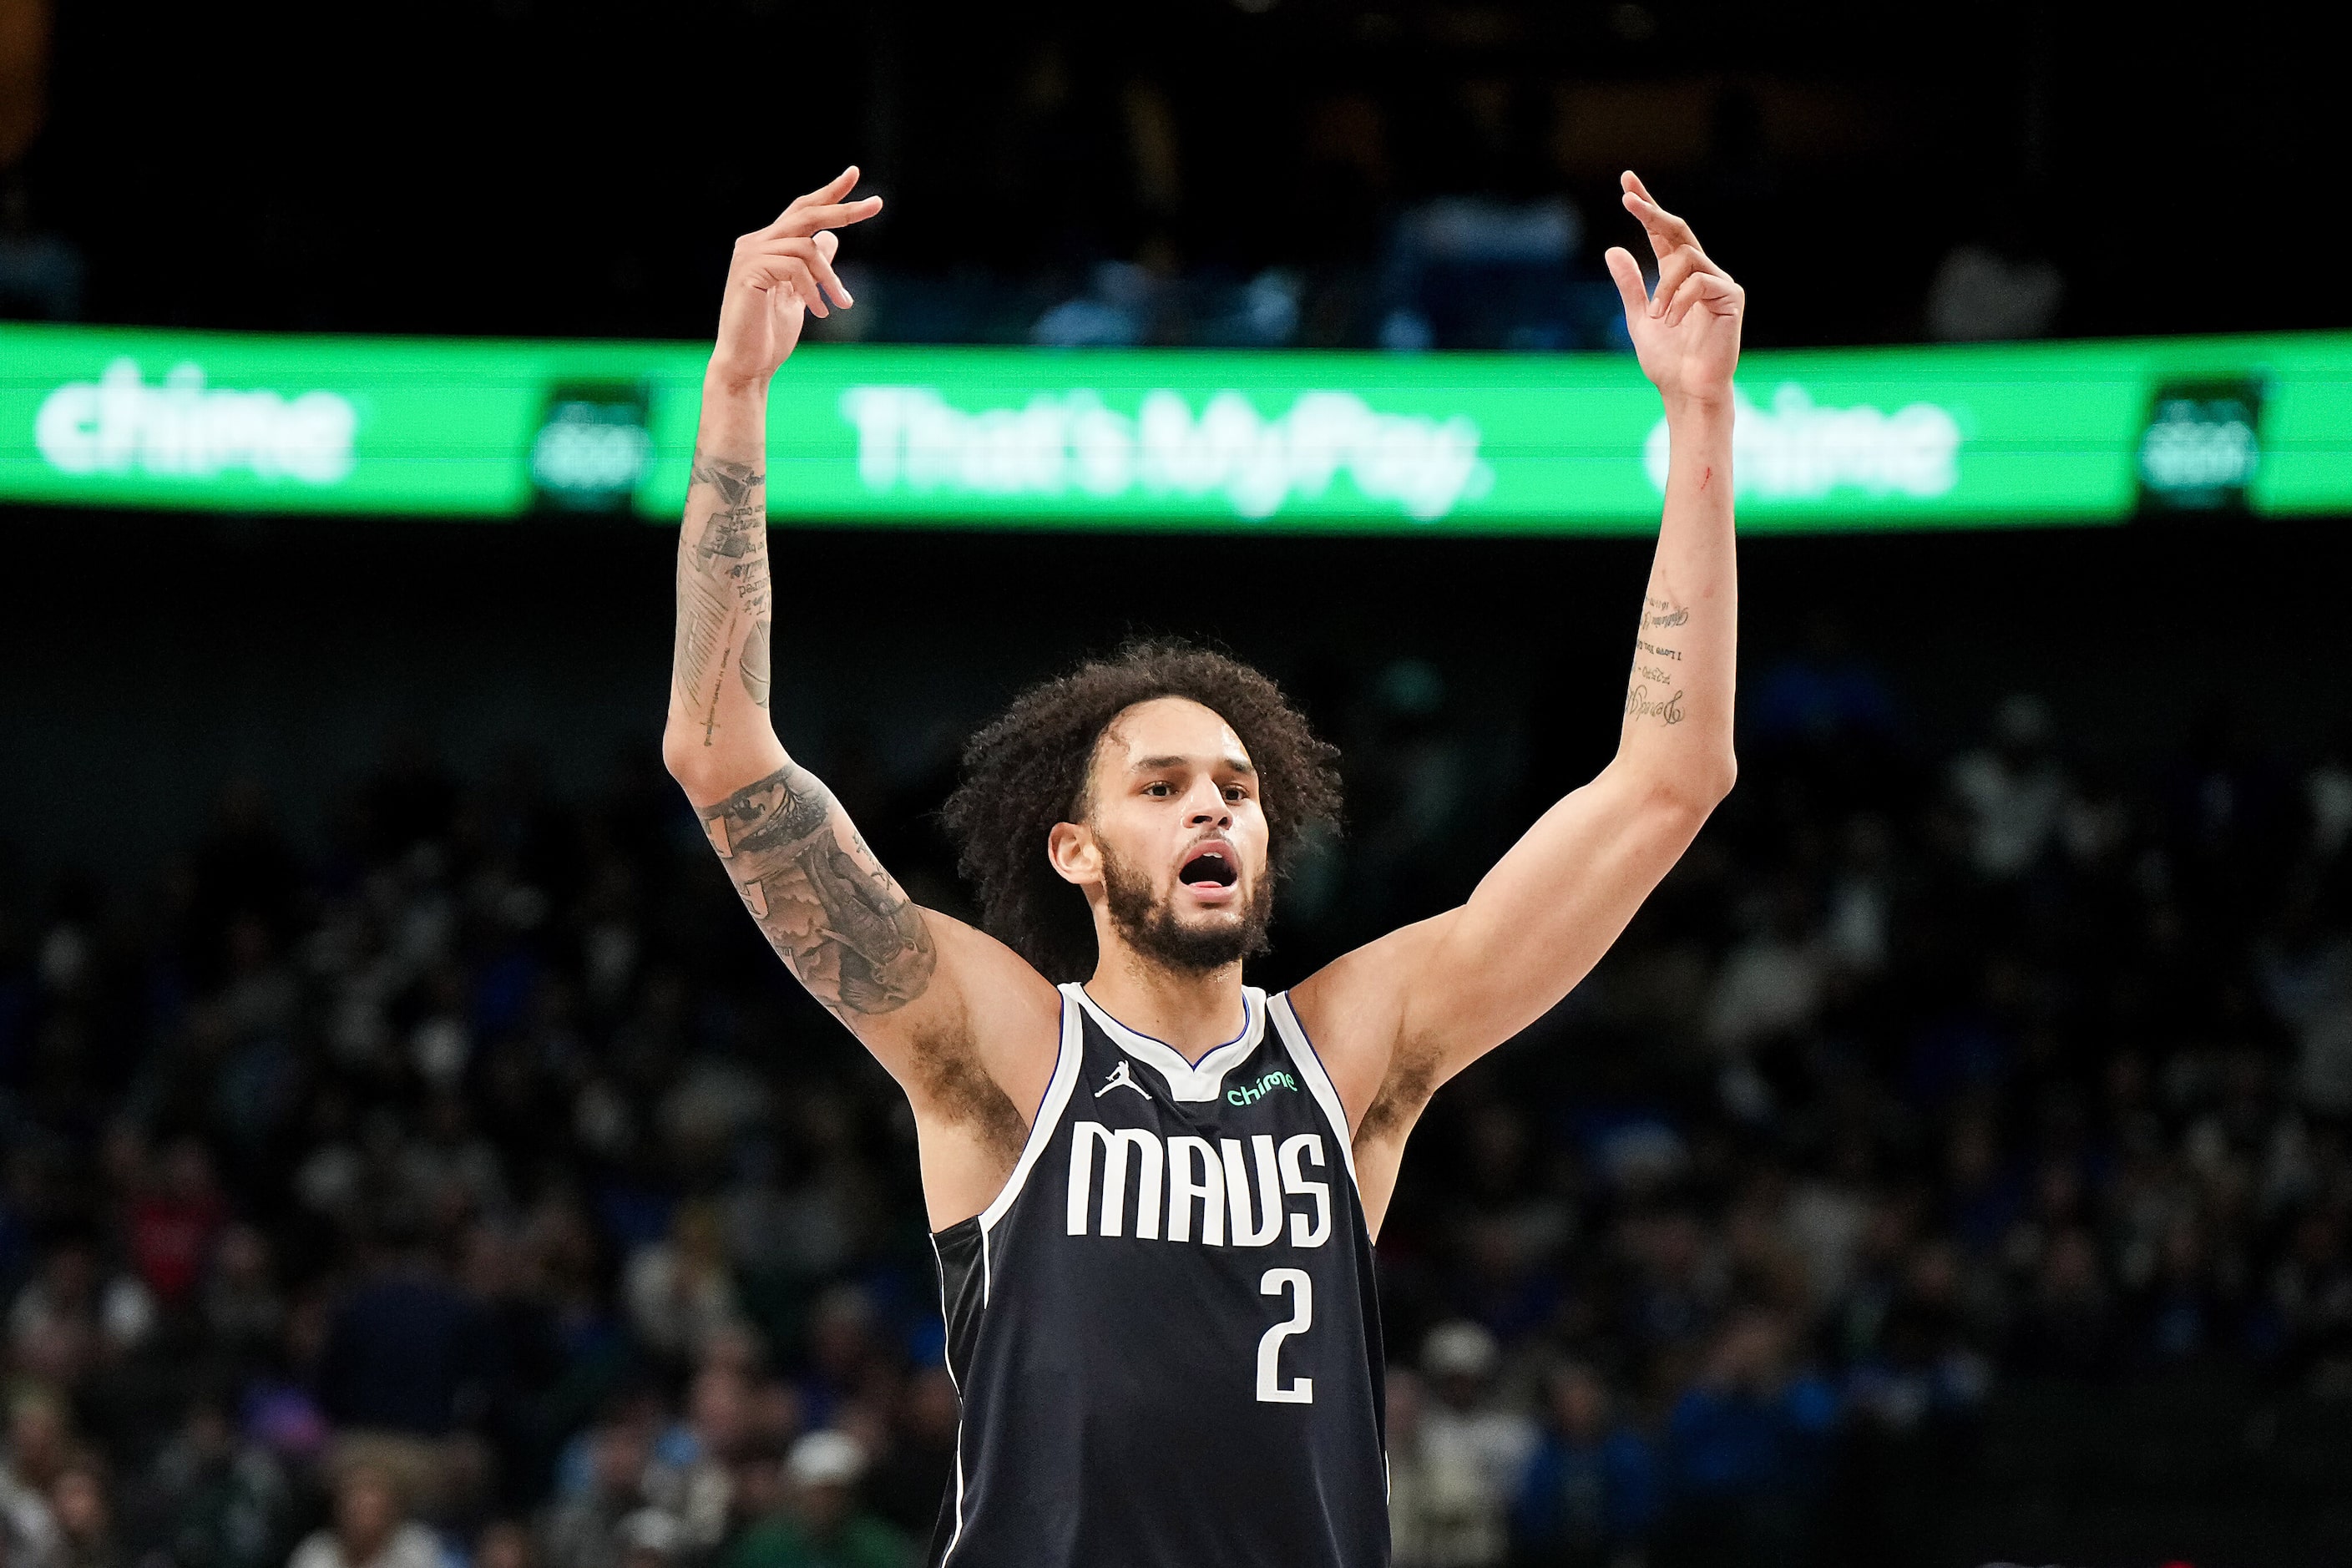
{"x": 1041, "y": 1130}
{"x": 1318, "y": 1082}
{"x": 948, "y": 1359}
{"x": 1188, "y": 1084}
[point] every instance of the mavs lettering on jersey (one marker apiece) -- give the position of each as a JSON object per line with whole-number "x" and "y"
{"x": 1163, "y": 1328}
{"x": 1223, "y": 1185}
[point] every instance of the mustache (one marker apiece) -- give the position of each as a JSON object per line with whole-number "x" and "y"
{"x": 1149, "y": 922}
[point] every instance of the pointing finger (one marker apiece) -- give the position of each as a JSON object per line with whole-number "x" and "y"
{"x": 826, "y": 194}
{"x": 832, "y": 191}
{"x": 808, "y": 220}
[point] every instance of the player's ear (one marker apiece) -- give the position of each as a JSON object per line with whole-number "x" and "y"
{"x": 1071, "y": 850}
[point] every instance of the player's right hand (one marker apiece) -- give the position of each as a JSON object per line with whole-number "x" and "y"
{"x": 779, "y": 273}
{"x": 1687, "y": 332}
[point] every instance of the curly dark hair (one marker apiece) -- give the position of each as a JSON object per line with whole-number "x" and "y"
{"x": 1030, "y": 768}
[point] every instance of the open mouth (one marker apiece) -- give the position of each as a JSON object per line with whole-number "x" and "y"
{"x": 1209, "y": 868}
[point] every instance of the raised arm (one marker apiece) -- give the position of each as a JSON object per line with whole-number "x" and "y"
{"x": 1411, "y": 1010}
{"x": 965, "y": 1027}
{"x": 718, "y": 735}
{"x": 833, "y": 915}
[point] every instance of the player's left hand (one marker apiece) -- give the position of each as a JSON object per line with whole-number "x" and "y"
{"x": 1686, "y": 334}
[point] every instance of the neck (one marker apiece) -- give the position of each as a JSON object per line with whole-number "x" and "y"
{"x": 1194, "y": 1010}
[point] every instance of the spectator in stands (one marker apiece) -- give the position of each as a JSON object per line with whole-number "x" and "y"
{"x": 907, "y": 1484}
{"x": 2066, "y": 1330}
{"x": 173, "y": 1222}
{"x": 2013, "y": 790}
{"x": 649, "y": 1538}
{"x": 371, "y": 1529}
{"x": 1589, "y": 1496}
{"x": 1435, "y": 1513}
{"x": 823, "y": 1525}
{"x": 1747, "y": 1451}
{"x": 846, "y": 1361}
{"x": 679, "y": 1289}
{"x": 581, "y": 1531}
{"x": 75, "y": 1314}
{"x": 35, "y": 1456}
{"x": 505, "y": 1543}
{"x": 405, "y": 1351}
{"x": 28, "y": 1526}
{"x": 756, "y": 1490}
{"x": 85, "y": 1516}
{"x": 244, "y": 1311}
{"x": 693, "y": 1468}
{"x": 2181, "y": 1316}
{"x": 1461, "y": 1451}
{"x": 407, "y": 1366}
{"x": 212, "y": 1499}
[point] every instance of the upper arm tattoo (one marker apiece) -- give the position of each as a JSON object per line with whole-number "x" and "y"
{"x": 834, "y": 915}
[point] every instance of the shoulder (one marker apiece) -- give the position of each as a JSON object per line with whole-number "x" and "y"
{"x": 992, "y": 977}
{"x": 1353, "y": 1011}
{"x": 994, "y": 1018}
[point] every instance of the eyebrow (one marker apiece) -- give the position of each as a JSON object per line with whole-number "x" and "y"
{"x": 1154, "y": 764}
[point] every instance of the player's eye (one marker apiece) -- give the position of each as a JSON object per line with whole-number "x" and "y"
{"x": 1160, "y": 788}
{"x": 1235, "y": 793}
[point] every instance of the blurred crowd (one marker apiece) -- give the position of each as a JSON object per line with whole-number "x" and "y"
{"x": 1241, "y": 175}
{"x": 1467, "y": 271}
{"x": 466, "y": 1184}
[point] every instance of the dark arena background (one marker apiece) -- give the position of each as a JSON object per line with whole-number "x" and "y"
{"x": 409, "y": 1157}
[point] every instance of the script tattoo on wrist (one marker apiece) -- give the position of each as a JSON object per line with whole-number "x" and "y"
{"x": 722, "y": 575}
{"x": 848, "y": 930}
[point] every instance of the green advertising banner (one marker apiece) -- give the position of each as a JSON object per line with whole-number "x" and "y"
{"x": 860, "y": 435}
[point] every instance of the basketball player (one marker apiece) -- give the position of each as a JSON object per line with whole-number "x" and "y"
{"x": 1153, "y": 1189}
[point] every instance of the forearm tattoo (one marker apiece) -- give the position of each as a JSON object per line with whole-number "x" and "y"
{"x": 832, "y": 913}
{"x": 723, "y": 581}
{"x": 1655, "y": 689}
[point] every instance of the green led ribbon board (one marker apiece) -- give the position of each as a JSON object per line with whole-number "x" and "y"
{"x": 1350, "y": 443}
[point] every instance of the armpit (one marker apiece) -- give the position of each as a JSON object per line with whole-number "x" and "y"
{"x": 949, "y": 1079}
{"x": 1404, "y": 1093}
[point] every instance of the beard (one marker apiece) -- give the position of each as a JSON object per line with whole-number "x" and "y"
{"x": 1151, "y": 928}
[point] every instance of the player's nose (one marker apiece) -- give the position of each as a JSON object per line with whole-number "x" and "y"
{"x": 1208, "y": 806}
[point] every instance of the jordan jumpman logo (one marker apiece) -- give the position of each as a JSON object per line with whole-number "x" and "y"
{"x": 1122, "y": 1077}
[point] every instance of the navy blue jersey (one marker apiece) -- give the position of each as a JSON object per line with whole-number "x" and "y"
{"x": 1164, "y": 1329}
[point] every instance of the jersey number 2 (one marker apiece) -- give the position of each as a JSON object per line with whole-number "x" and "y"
{"x": 1269, "y": 1348}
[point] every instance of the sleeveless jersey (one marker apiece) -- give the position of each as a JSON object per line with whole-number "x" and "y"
{"x": 1164, "y": 1328}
